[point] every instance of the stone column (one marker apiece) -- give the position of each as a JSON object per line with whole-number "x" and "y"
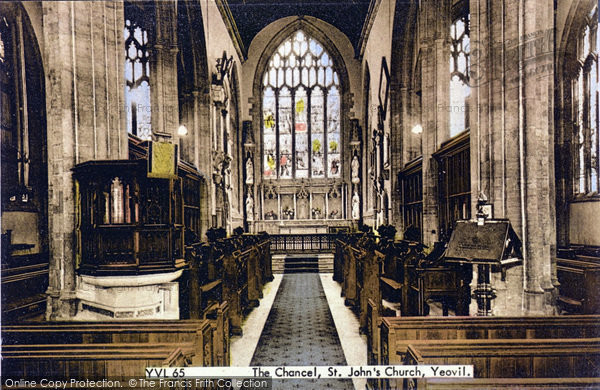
{"x": 512, "y": 131}
{"x": 83, "y": 53}
{"x": 163, "y": 71}
{"x": 397, "y": 114}
{"x": 434, "y": 28}
{"x": 202, "y": 140}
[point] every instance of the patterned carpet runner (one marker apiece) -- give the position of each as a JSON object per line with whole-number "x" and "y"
{"x": 300, "y": 332}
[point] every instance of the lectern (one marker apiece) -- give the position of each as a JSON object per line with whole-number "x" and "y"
{"x": 493, "y": 246}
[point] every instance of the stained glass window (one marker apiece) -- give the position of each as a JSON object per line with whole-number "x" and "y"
{"x": 301, "y": 112}
{"x": 586, "y": 90}
{"x": 137, "y": 75}
{"x": 459, "y": 75}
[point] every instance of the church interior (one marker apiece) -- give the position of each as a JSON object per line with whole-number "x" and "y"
{"x": 301, "y": 183}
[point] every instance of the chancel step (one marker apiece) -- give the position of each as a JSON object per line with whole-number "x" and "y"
{"x": 301, "y": 264}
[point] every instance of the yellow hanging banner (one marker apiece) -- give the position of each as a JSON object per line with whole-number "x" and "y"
{"x": 162, "y": 160}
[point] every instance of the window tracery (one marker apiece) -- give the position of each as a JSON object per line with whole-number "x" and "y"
{"x": 137, "y": 74}
{"x": 301, "y": 112}
{"x": 586, "y": 91}
{"x": 459, "y": 75}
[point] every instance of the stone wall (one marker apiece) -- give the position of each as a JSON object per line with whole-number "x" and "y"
{"x": 83, "y": 59}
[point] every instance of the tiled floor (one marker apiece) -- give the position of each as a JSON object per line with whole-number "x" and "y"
{"x": 299, "y": 305}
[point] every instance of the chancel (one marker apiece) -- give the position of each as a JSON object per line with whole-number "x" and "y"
{"x": 291, "y": 183}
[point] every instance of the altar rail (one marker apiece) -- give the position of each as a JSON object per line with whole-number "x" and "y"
{"x": 302, "y": 243}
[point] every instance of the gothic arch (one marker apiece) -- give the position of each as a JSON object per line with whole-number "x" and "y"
{"x": 340, "y": 66}
{"x": 24, "y": 163}
{"x": 576, "y": 17}
{"x": 315, "y": 32}
{"x": 338, "y": 61}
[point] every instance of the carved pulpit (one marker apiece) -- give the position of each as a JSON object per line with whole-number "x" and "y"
{"x": 130, "y": 240}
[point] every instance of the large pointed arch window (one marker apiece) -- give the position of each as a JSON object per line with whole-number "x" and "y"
{"x": 459, "y": 75}
{"x": 301, "y": 112}
{"x": 587, "y": 124}
{"x": 136, "y": 33}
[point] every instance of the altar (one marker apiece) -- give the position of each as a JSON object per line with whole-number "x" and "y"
{"x": 301, "y": 226}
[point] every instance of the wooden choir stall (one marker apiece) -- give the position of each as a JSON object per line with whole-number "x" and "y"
{"x": 399, "y": 281}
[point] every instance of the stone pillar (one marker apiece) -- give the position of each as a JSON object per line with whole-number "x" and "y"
{"x": 202, "y": 138}
{"x": 163, "y": 71}
{"x": 397, "y": 114}
{"x": 512, "y": 131}
{"x": 434, "y": 28}
{"x": 83, "y": 53}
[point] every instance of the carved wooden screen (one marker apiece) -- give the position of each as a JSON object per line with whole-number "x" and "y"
{"x": 412, "y": 195}
{"x": 301, "y": 112}
{"x": 191, "y": 203}
{"x": 454, "y": 183}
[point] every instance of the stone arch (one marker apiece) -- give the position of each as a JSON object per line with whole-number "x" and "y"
{"x": 24, "y": 163}
{"x": 317, "y": 30}
{"x": 571, "y": 19}
{"x": 339, "y": 65}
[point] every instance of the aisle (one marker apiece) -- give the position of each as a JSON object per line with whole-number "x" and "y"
{"x": 300, "y": 332}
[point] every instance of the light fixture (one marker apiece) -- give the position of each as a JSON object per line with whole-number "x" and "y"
{"x": 182, "y": 130}
{"x": 418, "y": 129}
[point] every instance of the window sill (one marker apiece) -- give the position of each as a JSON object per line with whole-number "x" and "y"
{"x": 591, "y": 197}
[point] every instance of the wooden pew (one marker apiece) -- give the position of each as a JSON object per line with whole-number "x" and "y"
{"x": 511, "y": 383}
{"x": 264, "y": 254}
{"x": 517, "y": 358}
{"x": 579, "y": 279}
{"x": 221, "y": 333}
{"x": 254, "y": 278}
{"x": 235, "y": 288}
{"x": 349, "y": 287}
{"x": 200, "y": 334}
{"x": 338, "y": 259}
{"x": 87, "y": 361}
{"x": 394, "y": 276}
{"x": 396, "y": 333}
{"x": 441, "y": 283}
{"x": 201, "y": 287}
{"x": 368, "y": 288}
{"x": 24, "y": 281}
{"x": 228, "y": 269}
